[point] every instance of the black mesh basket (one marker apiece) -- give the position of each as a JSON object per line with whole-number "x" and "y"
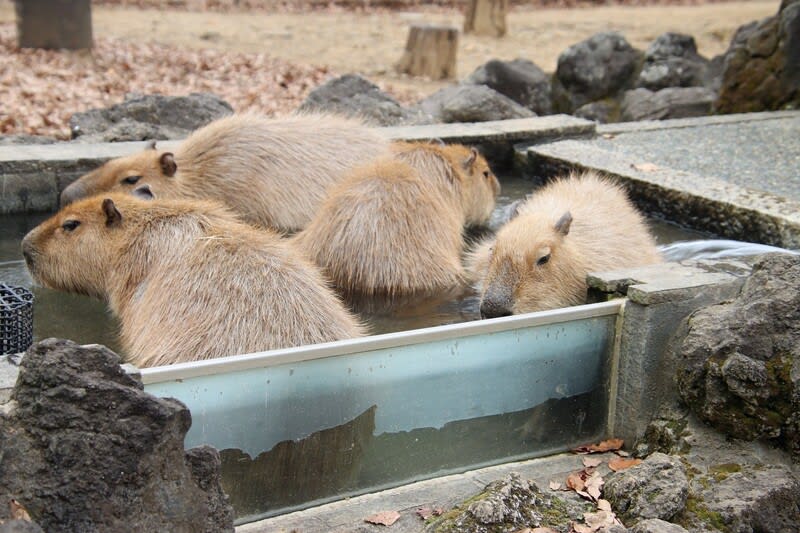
{"x": 16, "y": 319}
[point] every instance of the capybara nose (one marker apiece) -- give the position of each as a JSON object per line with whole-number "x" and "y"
{"x": 493, "y": 309}
{"x": 73, "y": 192}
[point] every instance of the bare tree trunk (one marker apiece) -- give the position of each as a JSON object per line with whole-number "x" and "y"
{"x": 486, "y": 17}
{"x": 430, "y": 51}
{"x": 54, "y": 24}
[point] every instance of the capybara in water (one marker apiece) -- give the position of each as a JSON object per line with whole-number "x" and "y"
{"x": 273, "y": 172}
{"x": 186, "y": 278}
{"x": 572, "y": 226}
{"x": 395, "y": 227}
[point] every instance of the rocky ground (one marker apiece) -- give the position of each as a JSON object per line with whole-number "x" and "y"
{"x": 269, "y": 61}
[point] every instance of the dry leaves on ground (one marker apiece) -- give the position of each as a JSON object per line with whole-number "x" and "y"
{"x": 621, "y": 463}
{"x": 609, "y": 445}
{"x": 645, "y": 167}
{"x": 384, "y": 518}
{"x": 18, "y": 511}
{"x": 43, "y": 88}
{"x": 427, "y": 512}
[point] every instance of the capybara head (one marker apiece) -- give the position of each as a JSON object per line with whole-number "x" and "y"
{"x": 532, "y": 267}
{"x": 481, "y": 186}
{"x": 150, "y": 167}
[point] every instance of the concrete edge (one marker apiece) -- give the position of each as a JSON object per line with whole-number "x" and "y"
{"x": 700, "y": 202}
{"x": 712, "y": 120}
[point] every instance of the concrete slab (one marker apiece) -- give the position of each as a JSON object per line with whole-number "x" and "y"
{"x": 736, "y": 176}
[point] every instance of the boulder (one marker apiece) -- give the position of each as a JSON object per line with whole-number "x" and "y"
{"x": 602, "y": 111}
{"x": 20, "y": 526}
{"x": 674, "y": 102}
{"x": 655, "y": 488}
{"x": 471, "y": 103}
{"x": 600, "y": 67}
{"x": 761, "y": 69}
{"x": 654, "y": 525}
{"x": 739, "y": 364}
{"x": 505, "y": 505}
{"x": 352, "y": 95}
{"x": 85, "y": 449}
{"x": 743, "y": 498}
{"x": 521, "y": 80}
{"x": 672, "y": 61}
{"x": 146, "y": 117}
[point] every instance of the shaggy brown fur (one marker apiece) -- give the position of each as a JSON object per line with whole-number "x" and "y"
{"x": 186, "y": 278}
{"x": 571, "y": 227}
{"x": 391, "y": 230}
{"x": 273, "y": 172}
{"x": 459, "y": 169}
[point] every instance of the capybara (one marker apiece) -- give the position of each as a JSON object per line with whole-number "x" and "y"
{"x": 572, "y": 226}
{"x": 395, "y": 228}
{"x": 186, "y": 278}
{"x": 273, "y": 172}
{"x": 460, "y": 170}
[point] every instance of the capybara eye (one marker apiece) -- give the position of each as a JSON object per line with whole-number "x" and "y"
{"x": 70, "y": 225}
{"x": 543, "y": 260}
{"x": 131, "y": 180}
{"x": 486, "y": 174}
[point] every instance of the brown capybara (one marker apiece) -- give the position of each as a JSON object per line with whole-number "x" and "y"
{"x": 390, "y": 230}
{"x": 187, "y": 280}
{"x": 460, "y": 169}
{"x": 539, "y": 260}
{"x": 273, "y": 172}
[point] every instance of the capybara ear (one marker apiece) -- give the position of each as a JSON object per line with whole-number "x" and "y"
{"x": 470, "y": 160}
{"x": 144, "y": 192}
{"x": 113, "y": 216}
{"x": 562, "y": 226}
{"x": 168, "y": 164}
{"x": 437, "y": 141}
{"x": 151, "y": 145}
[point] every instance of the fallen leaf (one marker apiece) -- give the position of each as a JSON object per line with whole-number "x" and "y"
{"x": 608, "y": 136}
{"x": 622, "y": 453}
{"x": 18, "y": 511}
{"x": 599, "y": 519}
{"x": 604, "y": 505}
{"x": 609, "y": 445}
{"x": 542, "y": 530}
{"x": 427, "y": 512}
{"x": 555, "y": 485}
{"x": 384, "y": 518}
{"x": 645, "y": 167}
{"x": 593, "y": 485}
{"x": 581, "y": 528}
{"x": 621, "y": 463}
{"x": 592, "y": 462}
{"x": 575, "y": 481}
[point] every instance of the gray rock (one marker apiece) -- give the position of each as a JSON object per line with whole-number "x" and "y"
{"x": 739, "y": 366}
{"x": 656, "y": 488}
{"x": 352, "y": 95}
{"x": 654, "y": 525}
{"x": 471, "y": 103}
{"x": 747, "y": 499}
{"x": 7, "y": 140}
{"x": 762, "y": 65}
{"x": 85, "y": 449}
{"x": 599, "y": 67}
{"x": 145, "y": 117}
{"x": 521, "y": 80}
{"x": 672, "y": 61}
{"x": 674, "y": 102}
{"x": 20, "y": 526}
{"x": 602, "y": 111}
{"x": 506, "y": 505}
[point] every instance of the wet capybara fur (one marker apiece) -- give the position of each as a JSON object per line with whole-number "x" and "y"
{"x": 186, "y": 278}
{"x": 274, "y": 172}
{"x": 539, "y": 260}
{"x": 395, "y": 226}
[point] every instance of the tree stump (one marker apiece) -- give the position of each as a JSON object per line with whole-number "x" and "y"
{"x": 430, "y": 51}
{"x": 486, "y": 17}
{"x": 54, "y": 24}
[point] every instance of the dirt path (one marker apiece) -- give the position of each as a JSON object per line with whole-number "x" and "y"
{"x": 371, "y": 43}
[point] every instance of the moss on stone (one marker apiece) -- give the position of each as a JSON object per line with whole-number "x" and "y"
{"x": 721, "y": 472}
{"x": 697, "y": 510}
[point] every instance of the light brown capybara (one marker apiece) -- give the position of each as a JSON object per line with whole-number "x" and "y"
{"x": 186, "y": 278}
{"x": 274, "y": 172}
{"x": 394, "y": 228}
{"x": 572, "y": 226}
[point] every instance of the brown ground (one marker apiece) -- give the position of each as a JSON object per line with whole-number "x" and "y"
{"x": 371, "y": 42}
